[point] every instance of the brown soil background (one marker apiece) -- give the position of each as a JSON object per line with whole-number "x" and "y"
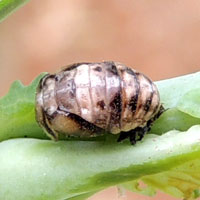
{"x": 160, "y": 38}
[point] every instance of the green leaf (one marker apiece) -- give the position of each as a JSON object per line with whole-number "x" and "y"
{"x": 172, "y": 90}
{"x": 9, "y": 6}
{"x": 17, "y": 112}
{"x": 173, "y": 119}
{"x": 190, "y": 102}
{"x": 41, "y": 169}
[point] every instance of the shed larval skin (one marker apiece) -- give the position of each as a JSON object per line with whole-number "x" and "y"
{"x": 89, "y": 99}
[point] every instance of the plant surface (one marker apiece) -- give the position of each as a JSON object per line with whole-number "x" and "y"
{"x": 167, "y": 159}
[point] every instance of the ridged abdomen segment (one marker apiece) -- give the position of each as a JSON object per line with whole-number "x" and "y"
{"x": 140, "y": 99}
{"x": 94, "y": 97}
{"x": 113, "y": 97}
{"x": 130, "y": 93}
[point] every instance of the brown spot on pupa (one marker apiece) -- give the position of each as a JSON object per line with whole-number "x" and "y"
{"x": 71, "y": 93}
{"x": 130, "y": 71}
{"x": 85, "y": 125}
{"x": 98, "y": 69}
{"x": 116, "y": 108}
{"x": 111, "y": 67}
{"x": 148, "y": 104}
{"x": 73, "y": 66}
{"x": 101, "y": 104}
{"x": 133, "y": 103}
{"x": 134, "y": 99}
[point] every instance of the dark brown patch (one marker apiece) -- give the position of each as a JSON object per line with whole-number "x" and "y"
{"x": 150, "y": 122}
{"x": 111, "y": 67}
{"x": 50, "y": 76}
{"x": 42, "y": 81}
{"x": 149, "y": 100}
{"x": 74, "y": 66}
{"x": 40, "y": 86}
{"x": 50, "y": 117}
{"x": 71, "y": 94}
{"x": 45, "y": 117}
{"x": 130, "y": 71}
{"x": 101, "y": 104}
{"x": 56, "y": 78}
{"x": 82, "y": 123}
{"x": 148, "y": 104}
{"x": 116, "y": 109}
{"x": 133, "y": 102}
{"x": 134, "y": 99}
{"x": 85, "y": 125}
{"x": 161, "y": 110}
{"x": 98, "y": 69}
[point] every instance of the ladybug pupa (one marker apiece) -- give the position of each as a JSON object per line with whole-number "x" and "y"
{"x": 91, "y": 99}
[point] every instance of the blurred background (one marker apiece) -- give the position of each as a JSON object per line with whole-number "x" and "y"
{"x": 160, "y": 38}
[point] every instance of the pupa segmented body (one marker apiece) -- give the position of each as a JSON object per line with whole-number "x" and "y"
{"x": 89, "y": 99}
